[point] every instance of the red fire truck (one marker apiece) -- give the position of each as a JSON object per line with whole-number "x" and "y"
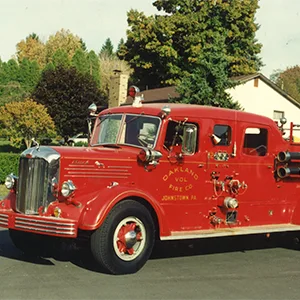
{"x": 156, "y": 171}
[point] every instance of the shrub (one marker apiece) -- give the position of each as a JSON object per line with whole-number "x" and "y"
{"x": 81, "y": 144}
{"x": 8, "y": 164}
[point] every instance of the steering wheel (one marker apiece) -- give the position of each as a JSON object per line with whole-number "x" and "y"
{"x": 144, "y": 139}
{"x": 257, "y": 149}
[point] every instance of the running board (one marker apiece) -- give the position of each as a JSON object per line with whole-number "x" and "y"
{"x": 200, "y": 234}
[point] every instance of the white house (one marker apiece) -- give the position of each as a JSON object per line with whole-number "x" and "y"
{"x": 257, "y": 94}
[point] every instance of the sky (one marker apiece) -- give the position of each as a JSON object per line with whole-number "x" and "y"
{"x": 96, "y": 20}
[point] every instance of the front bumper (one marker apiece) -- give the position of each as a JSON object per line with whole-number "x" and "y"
{"x": 38, "y": 224}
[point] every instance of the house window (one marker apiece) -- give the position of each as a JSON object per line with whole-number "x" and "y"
{"x": 256, "y": 141}
{"x": 256, "y": 82}
{"x": 277, "y": 114}
{"x": 223, "y": 132}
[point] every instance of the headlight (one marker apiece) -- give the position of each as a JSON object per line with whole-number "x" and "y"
{"x": 67, "y": 188}
{"x": 10, "y": 181}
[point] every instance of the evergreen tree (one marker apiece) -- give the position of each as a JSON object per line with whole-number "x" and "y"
{"x": 60, "y": 59}
{"x": 107, "y": 48}
{"x": 29, "y": 74}
{"x": 11, "y": 71}
{"x": 80, "y": 61}
{"x": 83, "y": 45}
{"x": 94, "y": 66}
{"x": 120, "y": 46}
{"x": 208, "y": 83}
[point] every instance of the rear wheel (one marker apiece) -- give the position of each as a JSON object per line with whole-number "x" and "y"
{"x": 124, "y": 242}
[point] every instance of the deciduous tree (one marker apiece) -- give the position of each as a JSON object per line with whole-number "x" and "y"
{"x": 163, "y": 48}
{"x": 289, "y": 81}
{"x": 65, "y": 40}
{"x": 107, "y": 65}
{"x": 32, "y": 49}
{"x": 22, "y": 121}
{"x": 67, "y": 94}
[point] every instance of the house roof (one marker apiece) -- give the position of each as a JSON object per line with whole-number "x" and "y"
{"x": 156, "y": 95}
{"x": 164, "y": 94}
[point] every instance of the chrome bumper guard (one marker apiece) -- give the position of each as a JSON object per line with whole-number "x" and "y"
{"x": 38, "y": 224}
{"x": 3, "y": 220}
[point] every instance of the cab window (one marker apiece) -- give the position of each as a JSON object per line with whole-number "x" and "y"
{"x": 183, "y": 137}
{"x": 255, "y": 141}
{"x": 222, "y": 133}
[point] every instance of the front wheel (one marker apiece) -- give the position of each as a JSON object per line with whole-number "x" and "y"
{"x": 124, "y": 242}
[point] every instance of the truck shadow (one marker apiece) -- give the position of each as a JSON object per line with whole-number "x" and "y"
{"x": 169, "y": 249}
{"x": 8, "y": 250}
{"x": 82, "y": 257}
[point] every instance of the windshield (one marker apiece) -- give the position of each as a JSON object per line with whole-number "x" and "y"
{"x": 137, "y": 130}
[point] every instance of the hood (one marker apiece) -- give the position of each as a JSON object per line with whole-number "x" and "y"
{"x": 99, "y": 152}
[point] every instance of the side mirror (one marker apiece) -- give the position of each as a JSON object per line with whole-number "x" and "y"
{"x": 92, "y": 109}
{"x": 189, "y": 139}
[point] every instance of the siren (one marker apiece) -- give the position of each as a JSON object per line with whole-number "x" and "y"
{"x": 216, "y": 140}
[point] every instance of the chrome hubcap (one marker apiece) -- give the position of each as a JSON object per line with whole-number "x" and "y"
{"x": 129, "y": 238}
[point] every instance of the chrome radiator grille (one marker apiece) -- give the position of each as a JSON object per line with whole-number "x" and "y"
{"x": 33, "y": 185}
{"x": 38, "y": 172}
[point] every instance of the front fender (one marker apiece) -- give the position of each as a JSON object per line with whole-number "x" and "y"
{"x": 98, "y": 208}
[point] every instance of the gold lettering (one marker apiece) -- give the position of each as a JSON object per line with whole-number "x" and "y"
{"x": 178, "y": 197}
{"x": 180, "y": 179}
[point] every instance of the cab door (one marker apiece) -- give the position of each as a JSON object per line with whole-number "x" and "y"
{"x": 265, "y": 200}
{"x": 179, "y": 175}
{"x": 220, "y": 169}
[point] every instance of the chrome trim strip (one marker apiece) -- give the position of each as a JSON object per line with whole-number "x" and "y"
{"x": 3, "y": 216}
{"x": 99, "y": 173}
{"x": 46, "y": 230}
{"x": 67, "y": 227}
{"x": 119, "y": 167}
{"x": 89, "y": 176}
{"x": 96, "y": 170}
{"x": 230, "y": 231}
{"x": 45, "y": 221}
{"x": 80, "y": 166}
{"x": 3, "y": 223}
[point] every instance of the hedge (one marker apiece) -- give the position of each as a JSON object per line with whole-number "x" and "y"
{"x": 8, "y": 164}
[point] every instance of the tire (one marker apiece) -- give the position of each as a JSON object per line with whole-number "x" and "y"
{"x": 71, "y": 143}
{"x": 124, "y": 242}
{"x": 29, "y": 243}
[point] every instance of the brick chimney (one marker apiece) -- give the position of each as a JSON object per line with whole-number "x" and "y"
{"x": 118, "y": 88}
